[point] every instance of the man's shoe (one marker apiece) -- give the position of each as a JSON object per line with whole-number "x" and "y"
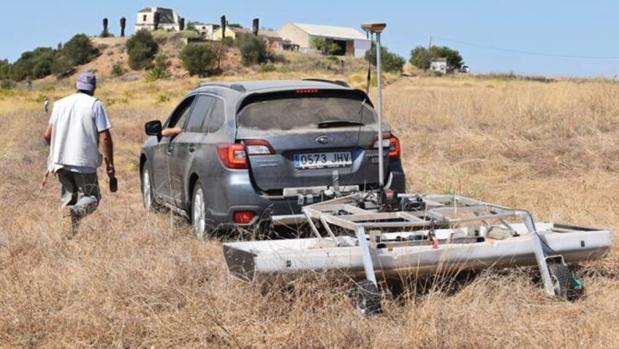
{"x": 69, "y": 223}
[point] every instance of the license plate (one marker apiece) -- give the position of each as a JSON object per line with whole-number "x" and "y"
{"x": 322, "y": 160}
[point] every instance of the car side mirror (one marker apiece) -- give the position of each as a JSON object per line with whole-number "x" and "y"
{"x": 153, "y": 128}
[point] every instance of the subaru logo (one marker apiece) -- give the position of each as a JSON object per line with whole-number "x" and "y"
{"x": 322, "y": 140}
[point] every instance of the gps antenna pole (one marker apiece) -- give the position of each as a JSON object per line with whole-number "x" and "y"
{"x": 377, "y": 28}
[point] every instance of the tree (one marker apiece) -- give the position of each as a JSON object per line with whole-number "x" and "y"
{"x": 391, "y": 62}
{"x": 80, "y": 50}
{"x": 5, "y": 66}
{"x": 421, "y": 57}
{"x": 141, "y": 49}
{"x": 198, "y": 59}
{"x": 253, "y": 49}
{"x": 324, "y": 45}
{"x": 62, "y": 66}
{"x": 33, "y": 64}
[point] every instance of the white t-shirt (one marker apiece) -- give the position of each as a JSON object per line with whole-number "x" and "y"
{"x": 76, "y": 122}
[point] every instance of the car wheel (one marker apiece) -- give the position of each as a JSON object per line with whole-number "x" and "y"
{"x": 198, "y": 212}
{"x": 148, "y": 197}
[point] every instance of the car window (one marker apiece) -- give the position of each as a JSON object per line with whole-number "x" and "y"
{"x": 199, "y": 112}
{"x": 216, "y": 117}
{"x": 292, "y": 111}
{"x": 179, "y": 116}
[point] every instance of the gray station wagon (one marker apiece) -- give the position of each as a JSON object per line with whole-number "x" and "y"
{"x": 257, "y": 151}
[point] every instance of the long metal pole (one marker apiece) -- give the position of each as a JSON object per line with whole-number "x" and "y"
{"x": 381, "y": 170}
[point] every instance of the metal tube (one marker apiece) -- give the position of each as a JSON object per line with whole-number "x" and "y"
{"x": 368, "y": 266}
{"x": 379, "y": 73}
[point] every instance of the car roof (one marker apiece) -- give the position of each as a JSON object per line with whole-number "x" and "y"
{"x": 252, "y": 86}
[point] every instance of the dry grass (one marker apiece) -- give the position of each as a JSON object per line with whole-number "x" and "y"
{"x": 133, "y": 279}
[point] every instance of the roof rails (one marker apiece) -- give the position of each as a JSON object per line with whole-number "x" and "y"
{"x": 236, "y": 87}
{"x": 336, "y": 82}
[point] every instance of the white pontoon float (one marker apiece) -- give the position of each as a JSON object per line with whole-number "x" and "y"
{"x": 379, "y": 232}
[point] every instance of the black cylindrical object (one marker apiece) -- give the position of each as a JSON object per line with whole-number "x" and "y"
{"x": 181, "y": 23}
{"x": 223, "y": 27}
{"x": 123, "y": 25}
{"x": 255, "y": 26}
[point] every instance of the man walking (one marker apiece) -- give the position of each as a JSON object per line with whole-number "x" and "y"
{"x": 77, "y": 128}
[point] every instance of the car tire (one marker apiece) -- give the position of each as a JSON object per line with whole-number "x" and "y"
{"x": 148, "y": 197}
{"x": 198, "y": 212}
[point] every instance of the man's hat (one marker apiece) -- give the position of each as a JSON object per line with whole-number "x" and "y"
{"x": 87, "y": 81}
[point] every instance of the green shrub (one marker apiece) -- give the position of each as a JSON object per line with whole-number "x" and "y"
{"x": 198, "y": 59}
{"x": 141, "y": 49}
{"x": 80, "y": 50}
{"x": 5, "y": 68}
{"x": 391, "y": 62}
{"x": 62, "y": 66}
{"x": 324, "y": 45}
{"x": 267, "y": 67}
{"x": 253, "y": 49}
{"x": 7, "y": 84}
{"x": 42, "y": 69}
{"x": 117, "y": 70}
{"x": 160, "y": 69}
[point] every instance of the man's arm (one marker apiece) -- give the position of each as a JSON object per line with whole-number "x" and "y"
{"x": 107, "y": 147}
{"x": 171, "y": 132}
{"x": 47, "y": 135}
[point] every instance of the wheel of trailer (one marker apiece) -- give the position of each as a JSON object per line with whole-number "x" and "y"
{"x": 561, "y": 279}
{"x": 198, "y": 212}
{"x": 367, "y": 298}
{"x": 148, "y": 198}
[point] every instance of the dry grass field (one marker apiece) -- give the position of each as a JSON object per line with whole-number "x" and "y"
{"x": 132, "y": 279}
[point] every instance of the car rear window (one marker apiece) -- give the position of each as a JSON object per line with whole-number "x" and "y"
{"x": 305, "y": 109}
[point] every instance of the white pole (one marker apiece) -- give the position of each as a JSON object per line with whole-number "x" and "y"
{"x": 381, "y": 170}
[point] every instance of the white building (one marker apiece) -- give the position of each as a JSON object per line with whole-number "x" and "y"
{"x": 206, "y": 30}
{"x": 168, "y": 19}
{"x": 439, "y": 65}
{"x": 351, "y": 41}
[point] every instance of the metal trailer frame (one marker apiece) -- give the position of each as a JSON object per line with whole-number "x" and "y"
{"x": 358, "y": 230}
{"x": 440, "y": 210}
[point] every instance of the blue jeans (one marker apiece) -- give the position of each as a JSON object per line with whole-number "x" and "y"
{"x": 80, "y": 192}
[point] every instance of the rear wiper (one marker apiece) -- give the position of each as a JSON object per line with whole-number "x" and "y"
{"x": 338, "y": 123}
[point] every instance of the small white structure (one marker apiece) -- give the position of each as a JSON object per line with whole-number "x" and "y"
{"x": 206, "y": 30}
{"x": 439, "y": 65}
{"x": 351, "y": 41}
{"x": 168, "y": 19}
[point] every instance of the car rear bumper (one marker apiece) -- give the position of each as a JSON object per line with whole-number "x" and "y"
{"x": 238, "y": 194}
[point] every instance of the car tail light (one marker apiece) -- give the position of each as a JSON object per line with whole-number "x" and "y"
{"x": 243, "y": 217}
{"x": 258, "y": 147}
{"x": 392, "y": 142}
{"x": 232, "y": 156}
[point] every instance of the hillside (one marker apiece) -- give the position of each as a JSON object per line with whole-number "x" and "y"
{"x": 135, "y": 279}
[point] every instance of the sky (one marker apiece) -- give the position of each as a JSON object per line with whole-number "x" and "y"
{"x": 553, "y": 38}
